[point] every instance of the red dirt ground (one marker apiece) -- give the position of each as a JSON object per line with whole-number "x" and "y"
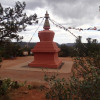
{"x": 23, "y": 93}
{"x": 18, "y": 60}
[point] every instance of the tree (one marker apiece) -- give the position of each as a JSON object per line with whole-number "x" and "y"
{"x": 93, "y": 50}
{"x": 10, "y": 50}
{"x": 13, "y": 21}
{"x": 65, "y": 50}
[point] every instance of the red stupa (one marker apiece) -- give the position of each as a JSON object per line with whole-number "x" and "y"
{"x": 46, "y": 51}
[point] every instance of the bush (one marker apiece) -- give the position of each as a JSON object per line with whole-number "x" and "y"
{"x": 0, "y": 61}
{"x": 59, "y": 88}
{"x": 9, "y": 49}
{"x": 84, "y": 84}
{"x": 6, "y": 85}
{"x": 65, "y": 50}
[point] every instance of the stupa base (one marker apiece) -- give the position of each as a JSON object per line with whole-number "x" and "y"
{"x": 40, "y": 65}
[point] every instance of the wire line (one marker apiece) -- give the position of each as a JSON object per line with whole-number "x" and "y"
{"x": 60, "y": 26}
{"x": 36, "y": 30}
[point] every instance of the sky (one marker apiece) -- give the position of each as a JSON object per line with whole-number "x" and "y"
{"x": 69, "y": 13}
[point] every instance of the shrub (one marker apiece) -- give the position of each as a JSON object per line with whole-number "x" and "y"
{"x": 15, "y": 85}
{"x": 59, "y": 89}
{"x": 0, "y": 61}
{"x": 84, "y": 84}
{"x": 65, "y": 50}
{"x": 85, "y": 80}
{"x": 6, "y": 85}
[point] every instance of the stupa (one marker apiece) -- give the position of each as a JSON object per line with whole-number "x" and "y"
{"x": 46, "y": 51}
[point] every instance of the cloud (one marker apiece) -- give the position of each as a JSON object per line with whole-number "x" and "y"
{"x": 75, "y": 13}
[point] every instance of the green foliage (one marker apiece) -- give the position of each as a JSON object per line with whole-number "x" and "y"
{"x": 10, "y": 50}
{"x": 6, "y": 85}
{"x": 79, "y": 48}
{"x": 86, "y": 49}
{"x": 14, "y": 20}
{"x": 59, "y": 89}
{"x": 86, "y": 79}
{"x": 15, "y": 85}
{"x": 65, "y": 50}
{"x": 30, "y": 87}
{"x": 84, "y": 84}
{"x": 0, "y": 59}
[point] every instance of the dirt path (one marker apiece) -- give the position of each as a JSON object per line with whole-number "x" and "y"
{"x": 7, "y": 70}
{"x": 35, "y": 77}
{"x": 16, "y": 61}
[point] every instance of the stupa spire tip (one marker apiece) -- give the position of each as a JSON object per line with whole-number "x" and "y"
{"x": 46, "y": 12}
{"x": 46, "y": 23}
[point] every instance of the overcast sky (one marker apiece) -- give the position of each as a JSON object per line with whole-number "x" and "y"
{"x": 70, "y": 13}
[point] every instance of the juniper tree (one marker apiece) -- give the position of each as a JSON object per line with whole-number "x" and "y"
{"x": 13, "y": 20}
